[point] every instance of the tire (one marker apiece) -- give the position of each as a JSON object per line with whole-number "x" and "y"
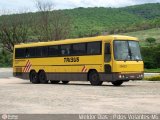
{"x": 65, "y": 82}
{"x": 117, "y": 83}
{"x": 55, "y": 81}
{"x": 42, "y": 77}
{"x": 33, "y": 77}
{"x": 94, "y": 78}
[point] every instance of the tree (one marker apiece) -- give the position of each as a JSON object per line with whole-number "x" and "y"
{"x": 43, "y": 27}
{"x": 51, "y": 24}
{"x": 151, "y": 57}
{"x": 5, "y": 58}
{"x": 150, "y": 40}
{"x": 61, "y": 25}
{"x": 13, "y": 30}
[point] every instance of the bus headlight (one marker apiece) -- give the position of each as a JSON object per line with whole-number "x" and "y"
{"x": 121, "y": 76}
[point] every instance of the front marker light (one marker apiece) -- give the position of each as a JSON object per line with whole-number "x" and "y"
{"x": 120, "y": 76}
{"x": 123, "y": 76}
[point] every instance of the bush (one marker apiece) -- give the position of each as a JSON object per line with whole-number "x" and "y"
{"x": 151, "y": 40}
{"x": 151, "y": 56}
{"x": 153, "y": 78}
{"x": 5, "y": 59}
{"x": 149, "y": 64}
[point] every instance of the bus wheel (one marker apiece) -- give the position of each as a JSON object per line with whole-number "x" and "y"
{"x": 117, "y": 83}
{"x": 42, "y": 77}
{"x": 33, "y": 77}
{"x": 55, "y": 81}
{"x": 94, "y": 78}
{"x": 65, "y": 82}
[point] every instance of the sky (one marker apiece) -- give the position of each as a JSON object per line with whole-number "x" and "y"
{"x": 29, "y": 5}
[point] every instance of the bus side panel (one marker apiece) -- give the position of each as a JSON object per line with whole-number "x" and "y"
{"x": 21, "y": 75}
{"x": 60, "y": 70}
{"x": 67, "y": 76}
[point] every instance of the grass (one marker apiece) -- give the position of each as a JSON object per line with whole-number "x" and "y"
{"x": 142, "y": 35}
{"x": 153, "y": 78}
{"x": 152, "y": 70}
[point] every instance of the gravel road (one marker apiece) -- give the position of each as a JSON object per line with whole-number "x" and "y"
{"x": 20, "y": 96}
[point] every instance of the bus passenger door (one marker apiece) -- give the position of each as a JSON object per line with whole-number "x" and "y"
{"x": 107, "y": 58}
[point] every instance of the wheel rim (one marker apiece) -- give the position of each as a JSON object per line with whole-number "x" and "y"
{"x": 42, "y": 77}
{"x": 34, "y": 77}
{"x": 94, "y": 77}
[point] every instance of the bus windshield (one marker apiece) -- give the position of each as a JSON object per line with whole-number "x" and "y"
{"x": 127, "y": 50}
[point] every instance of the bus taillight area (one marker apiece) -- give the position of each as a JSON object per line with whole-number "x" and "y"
{"x": 128, "y": 76}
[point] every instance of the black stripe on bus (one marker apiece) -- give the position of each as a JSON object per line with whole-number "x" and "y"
{"x": 62, "y": 65}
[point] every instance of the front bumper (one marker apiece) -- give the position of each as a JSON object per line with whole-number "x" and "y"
{"x": 128, "y": 76}
{"x": 121, "y": 76}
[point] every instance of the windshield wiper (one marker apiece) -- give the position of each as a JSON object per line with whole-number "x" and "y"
{"x": 126, "y": 58}
{"x": 134, "y": 57}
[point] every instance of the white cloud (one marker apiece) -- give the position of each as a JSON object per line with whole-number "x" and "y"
{"x": 14, "y": 4}
{"x": 99, "y": 3}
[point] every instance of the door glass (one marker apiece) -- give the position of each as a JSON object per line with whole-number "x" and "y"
{"x": 107, "y": 56}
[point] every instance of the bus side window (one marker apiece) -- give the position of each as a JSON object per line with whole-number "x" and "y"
{"x": 65, "y": 49}
{"x": 53, "y": 50}
{"x": 79, "y": 49}
{"x": 27, "y": 53}
{"x": 20, "y": 53}
{"x": 39, "y": 51}
{"x": 44, "y": 51}
{"x": 107, "y": 56}
{"x": 32, "y": 52}
{"x": 94, "y": 48}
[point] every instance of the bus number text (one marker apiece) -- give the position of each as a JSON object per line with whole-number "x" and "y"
{"x": 71, "y": 59}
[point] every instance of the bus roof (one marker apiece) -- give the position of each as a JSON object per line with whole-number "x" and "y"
{"x": 77, "y": 40}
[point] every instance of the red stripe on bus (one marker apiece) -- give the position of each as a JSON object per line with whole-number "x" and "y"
{"x": 25, "y": 66}
{"x": 83, "y": 68}
{"x": 28, "y": 68}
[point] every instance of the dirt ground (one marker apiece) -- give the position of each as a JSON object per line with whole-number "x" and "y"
{"x": 20, "y": 96}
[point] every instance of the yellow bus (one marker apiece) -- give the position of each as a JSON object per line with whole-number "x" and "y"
{"x": 112, "y": 58}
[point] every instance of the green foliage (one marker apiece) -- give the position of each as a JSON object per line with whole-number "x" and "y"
{"x": 90, "y": 21}
{"x": 153, "y": 78}
{"x": 147, "y": 11}
{"x": 151, "y": 56}
{"x": 157, "y": 70}
{"x": 142, "y": 21}
{"x": 13, "y": 30}
{"x": 5, "y": 59}
{"x": 97, "y": 21}
{"x": 150, "y": 40}
{"x": 144, "y": 34}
